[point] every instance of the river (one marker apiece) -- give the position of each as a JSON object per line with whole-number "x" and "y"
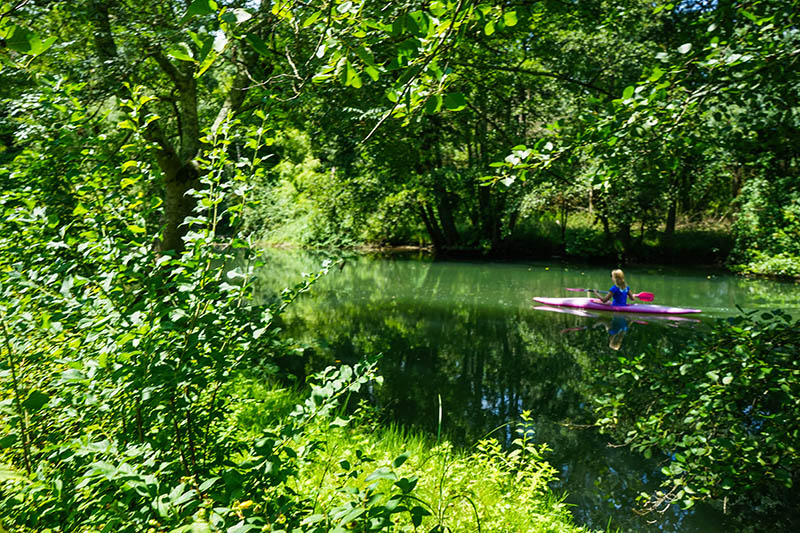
{"x": 466, "y": 338}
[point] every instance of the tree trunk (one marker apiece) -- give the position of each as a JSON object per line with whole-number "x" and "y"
{"x": 625, "y": 234}
{"x": 104, "y": 42}
{"x": 432, "y": 226}
{"x": 175, "y": 157}
{"x": 564, "y": 213}
{"x": 671, "y": 216}
{"x": 445, "y": 211}
{"x": 177, "y": 205}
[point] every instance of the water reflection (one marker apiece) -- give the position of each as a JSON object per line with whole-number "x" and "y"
{"x": 471, "y": 334}
{"x": 616, "y": 325}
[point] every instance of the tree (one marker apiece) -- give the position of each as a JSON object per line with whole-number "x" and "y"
{"x": 202, "y": 60}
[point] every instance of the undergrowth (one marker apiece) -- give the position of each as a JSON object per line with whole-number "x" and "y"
{"x": 363, "y": 469}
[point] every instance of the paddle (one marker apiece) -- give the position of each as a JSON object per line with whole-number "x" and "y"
{"x": 643, "y": 296}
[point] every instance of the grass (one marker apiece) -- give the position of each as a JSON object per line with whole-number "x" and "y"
{"x": 485, "y": 488}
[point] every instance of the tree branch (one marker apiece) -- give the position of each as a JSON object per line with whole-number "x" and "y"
{"x": 520, "y": 70}
{"x": 166, "y": 65}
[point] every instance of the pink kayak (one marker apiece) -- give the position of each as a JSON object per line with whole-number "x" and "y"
{"x": 593, "y": 303}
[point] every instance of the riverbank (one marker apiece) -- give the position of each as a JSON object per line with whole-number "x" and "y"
{"x": 692, "y": 249}
{"x": 703, "y": 248}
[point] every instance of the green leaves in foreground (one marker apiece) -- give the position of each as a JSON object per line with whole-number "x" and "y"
{"x": 726, "y": 412}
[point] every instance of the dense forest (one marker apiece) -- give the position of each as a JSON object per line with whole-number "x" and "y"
{"x": 143, "y": 144}
{"x": 615, "y": 130}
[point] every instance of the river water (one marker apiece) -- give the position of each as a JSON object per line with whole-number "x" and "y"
{"x": 466, "y": 339}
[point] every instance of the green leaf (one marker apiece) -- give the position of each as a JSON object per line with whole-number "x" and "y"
{"x": 455, "y": 101}
{"x": 241, "y": 527}
{"x": 656, "y": 74}
{"x": 257, "y": 43}
{"x": 311, "y": 19}
{"x": 27, "y": 42}
{"x": 182, "y": 52}
{"x": 133, "y": 228}
{"x": 417, "y": 513}
{"x": 38, "y": 46}
{"x": 489, "y": 28}
{"x": 352, "y": 515}
{"x": 365, "y": 56}
{"x": 407, "y": 484}
{"x": 17, "y": 39}
{"x": 351, "y": 77}
{"x": 8, "y": 441}
{"x": 381, "y": 473}
{"x": 749, "y": 15}
{"x": 313, "y": 519}
{"x": 372, "y": 72}
{"x": 200, "y": 8}
{"x": 400, "y": 459}
{"x": 398, "y": 26}
{"x": 628, "y": 92}
{"x": 35, "y": 401}
{"x": 412, "y": 26}
{"x": 433, "y": 104}
{"x": 207, "y": 484}
{"x": 510, "y": 18}
{"x": 206, "y": 64}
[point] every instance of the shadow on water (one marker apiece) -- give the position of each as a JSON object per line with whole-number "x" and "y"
{"x": 469, "y": 333}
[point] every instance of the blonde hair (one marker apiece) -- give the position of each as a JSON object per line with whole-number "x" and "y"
{"x": 619, "y": 278}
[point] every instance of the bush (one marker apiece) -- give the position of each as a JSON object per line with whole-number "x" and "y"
{"x": 724, "y": 414}
{"x": 767, "y": 229}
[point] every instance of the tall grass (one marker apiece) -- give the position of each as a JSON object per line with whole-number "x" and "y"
{"x": 485, "y": 488}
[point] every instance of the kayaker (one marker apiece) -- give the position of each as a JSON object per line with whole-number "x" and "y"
{"x": 620, "y": 291}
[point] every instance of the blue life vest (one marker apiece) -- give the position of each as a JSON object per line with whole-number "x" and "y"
{"x": 620, "y": 295}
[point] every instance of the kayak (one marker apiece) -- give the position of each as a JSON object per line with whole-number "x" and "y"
{"x": 594, "y": 304}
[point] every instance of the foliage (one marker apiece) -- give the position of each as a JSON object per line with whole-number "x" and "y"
{"x": 117, "y": 354}
{"x": 723, "y": 413}
{"x": 374, "y": 477}
{"x": 281, "y": 210}
{"x": 19, "y": 46}
{"x": 768, "y": 227}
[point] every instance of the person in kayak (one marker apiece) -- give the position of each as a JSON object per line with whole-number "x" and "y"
{"x": 620, "y": 291}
